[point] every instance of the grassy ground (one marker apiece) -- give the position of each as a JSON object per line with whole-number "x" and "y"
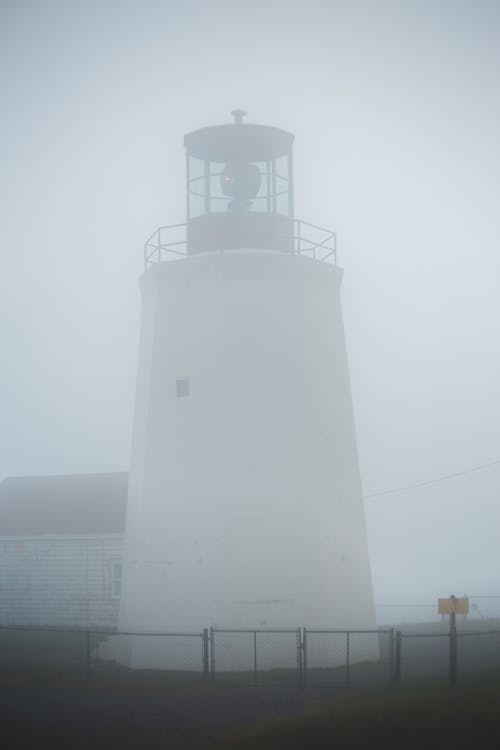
{"x": 114, "y": 707}
{"x": 147, "y": 712}
{"x": 423, "y": 716}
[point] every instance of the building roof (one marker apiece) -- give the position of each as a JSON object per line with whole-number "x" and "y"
{"x": 67, "y": 504}
{"x": 245, "y": 142}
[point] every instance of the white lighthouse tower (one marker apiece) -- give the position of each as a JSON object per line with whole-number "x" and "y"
{"x": 245, "y": 505}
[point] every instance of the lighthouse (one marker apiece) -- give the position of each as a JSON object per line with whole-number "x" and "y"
{"x": 244, "y": 505}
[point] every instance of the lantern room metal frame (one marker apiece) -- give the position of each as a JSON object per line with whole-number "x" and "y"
{"x": 239, "y": 196}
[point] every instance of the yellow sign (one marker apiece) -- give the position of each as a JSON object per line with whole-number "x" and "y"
{"x": 453, "y": 605}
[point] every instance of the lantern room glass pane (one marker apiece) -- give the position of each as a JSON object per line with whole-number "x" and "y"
{"x": 218, "y": 201}
{"x": 215, "y": 187}
{"x": 196, "y": 167}
{"x": 281, "y": 167}
{"x": 196, "y": 186}
{"x": 282, "y": 203}
{"x": 196, "y": 205}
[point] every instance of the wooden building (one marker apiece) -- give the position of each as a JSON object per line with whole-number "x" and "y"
{"x": 61, "y": 541}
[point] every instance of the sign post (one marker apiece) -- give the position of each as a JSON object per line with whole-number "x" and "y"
{"x": 452, "y": 607}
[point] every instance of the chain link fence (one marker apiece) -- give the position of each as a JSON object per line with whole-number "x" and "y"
{"x": 445, "y": 655}
{"x": 28, "y": 649}
{"x": 257, "y": 657}
{"x": 343, "y": 658}
{"x": 423, "y": 655}
{"x": 478, "y": 651}
{"x": 24, "y": 649}
{"x": 172, "y": 652}
{"x": 301, "y": 656}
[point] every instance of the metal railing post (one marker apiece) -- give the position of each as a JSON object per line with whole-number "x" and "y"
{"x": 299, "y": 656}
{"x": 212, "y": 652}
{"x": 87, "y": 652}
{"x": 391, "y": 654}
{"x": 255, "y": 656}
{"x": 204, "y": 651}
{"x": 453, "y": 648}
{"x": 348, "y": 666}
{"x": 397, "y": 657}
{"x": 304, "y": 657}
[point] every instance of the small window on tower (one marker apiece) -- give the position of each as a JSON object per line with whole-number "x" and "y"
{"x": 182, "y": 387}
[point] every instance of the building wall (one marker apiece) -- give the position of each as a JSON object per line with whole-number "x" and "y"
{"x": 245, "y": 506}
{"x": 67, "y": 580}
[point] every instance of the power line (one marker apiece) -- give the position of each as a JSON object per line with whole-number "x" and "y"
{"x": 433, "y": 481}
{"x": 484, "y": 596}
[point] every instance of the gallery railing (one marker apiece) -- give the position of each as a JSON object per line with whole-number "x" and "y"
{"x": 169, "y": 243}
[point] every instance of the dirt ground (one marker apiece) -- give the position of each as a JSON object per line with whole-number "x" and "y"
{"x": 39, "y": 711}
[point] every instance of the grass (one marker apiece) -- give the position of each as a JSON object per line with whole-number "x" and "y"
{"x": 425, "y": 716}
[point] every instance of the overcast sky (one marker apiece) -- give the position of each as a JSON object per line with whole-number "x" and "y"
{"x": 395, "y": 105}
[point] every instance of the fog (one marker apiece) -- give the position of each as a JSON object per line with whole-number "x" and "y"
{"x": 395, "y": 107}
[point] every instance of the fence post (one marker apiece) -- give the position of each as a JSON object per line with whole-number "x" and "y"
{"x": 212, "y": 652}
{"x": 397, "y": 657}
{"x": 87, "y": 652}
{"x": 204, "y": 651}
{"x": 391, "y": 654}
{"x": 304, "y": 657}
{"x": 348, "y": 666}
{"x": 299, "y": 656}
{"x": 453, "y": 648}
{"x": 255, "y": 656}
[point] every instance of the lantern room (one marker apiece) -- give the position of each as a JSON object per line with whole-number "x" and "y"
{"x": 239, "y": 187}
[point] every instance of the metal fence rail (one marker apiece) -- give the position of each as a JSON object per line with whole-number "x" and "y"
{"x": 169, "y": 243}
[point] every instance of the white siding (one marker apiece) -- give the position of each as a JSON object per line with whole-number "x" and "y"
{"x": 59, "y": 580}
{"x": 245, "y": 505}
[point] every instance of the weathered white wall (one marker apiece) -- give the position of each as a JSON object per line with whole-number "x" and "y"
{"x": 58, "y": 580}
{"x": 245, "y": 501}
